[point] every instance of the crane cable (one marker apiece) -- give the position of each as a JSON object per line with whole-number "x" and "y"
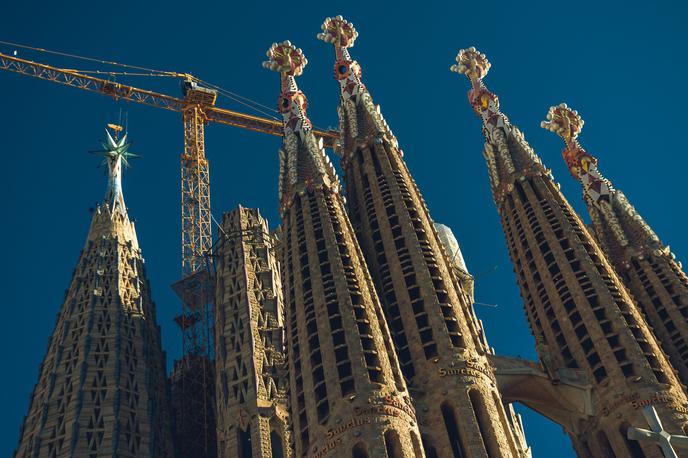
{"x": 90, "y": 59}
{"x": 152, "y": 72}
{"x": 238, "y": 98}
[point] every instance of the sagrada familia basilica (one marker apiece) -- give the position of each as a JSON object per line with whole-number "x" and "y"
{"x": 349, "y": 330}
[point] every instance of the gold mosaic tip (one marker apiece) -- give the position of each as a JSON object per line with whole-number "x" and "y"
{"x": 286, "y": 59}
{"x": 338, "y": 31}
{"x": 471, "y": 63}
{"x": 564, "y": 122}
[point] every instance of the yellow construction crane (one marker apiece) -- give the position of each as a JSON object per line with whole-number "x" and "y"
{"x": 198, "y": 109}
{"x": 193, "y": 379}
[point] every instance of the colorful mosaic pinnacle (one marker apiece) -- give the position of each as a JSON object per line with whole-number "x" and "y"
{"x": 285, "y": 58}
{"x": 338, "y": 31}
{"x": 567, "y": 124}
{"x": 474, "y": 65}
{"x": 360, "y": 119}
{"x": 347, "y": 71}
{"x": 289, "y": 62}
{"x": 471, "y": 63}
{"x": 303, "y": 162}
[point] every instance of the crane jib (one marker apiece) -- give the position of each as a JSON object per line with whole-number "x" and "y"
{"x": 120, "y": 91}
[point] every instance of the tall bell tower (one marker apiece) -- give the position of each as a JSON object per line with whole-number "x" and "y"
{"x": 102, "y": 389}
{"x": 643, "y": 262}
{"x": 442, "y": 354}
{"x": 348, "y": 397}
{"x": 576, "y": 304}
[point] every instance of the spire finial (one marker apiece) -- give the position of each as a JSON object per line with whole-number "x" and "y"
{"x": 303, "y": 163}
{"x": 564, "y": 122}
{"x": 115, "y": 153}
{"x": 347, "y": 71}
{"x": 338, "y": 31}
{"x": 471, "y": 63}
{"x": 474, "y": 65}
{"x": 289, "y": 62}
{"x": 567, "y": 124}
{"x": 285, "y": 59}
{"x": 359, "y": 117}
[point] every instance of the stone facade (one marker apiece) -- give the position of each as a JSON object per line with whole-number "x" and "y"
{"x": 250, "y": 361}
{"x": 577, "y": 307}
{"x": 102, "y": 388}
{"x": 437, "y": 338}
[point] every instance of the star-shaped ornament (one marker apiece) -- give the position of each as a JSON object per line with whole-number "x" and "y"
{"x": 113, "y": 148}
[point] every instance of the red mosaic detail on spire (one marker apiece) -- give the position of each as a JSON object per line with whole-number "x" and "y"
{"x": 289, "y": 62}
{"x": 567, "y": 124}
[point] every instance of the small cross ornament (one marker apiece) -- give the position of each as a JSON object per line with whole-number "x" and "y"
{"x": 657, "y": 434}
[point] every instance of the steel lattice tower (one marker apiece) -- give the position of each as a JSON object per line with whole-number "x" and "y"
{"x": 193, "y": 389}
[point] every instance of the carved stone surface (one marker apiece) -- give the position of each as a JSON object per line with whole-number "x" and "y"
{"x": 347, "y": 394}
{"x": 646, "y": 266}
{"x": 574, "y": 300}
{"x": 250, "y": 362}
{"x": 102, "y": 388}
{"x": 436, "y": 335}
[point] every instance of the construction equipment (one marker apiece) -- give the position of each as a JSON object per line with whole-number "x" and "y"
{"x": 193, "y": 375}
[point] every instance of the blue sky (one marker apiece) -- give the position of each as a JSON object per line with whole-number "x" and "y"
{"x": 622, "y": 65}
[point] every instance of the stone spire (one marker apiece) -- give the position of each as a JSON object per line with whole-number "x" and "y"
{"x": 360, "y": 120}
{"x": 303, "y": 162}
{"x": 579, "y": 311}
{"x": 102, "y": 387}
{"x": 347, "y": 394}
{"x": 616, "y": 222}
{"x": 647, "y": 267}
{"x": 426, "y": 299}
{"x": 506, "y": 150}
{"x": 252, "y": 414}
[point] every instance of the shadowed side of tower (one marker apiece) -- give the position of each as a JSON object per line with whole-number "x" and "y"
{"x": 646, "y": 266}
{"x": 252, "y": 417}
{"x": 102, "y": 388}
{"x": 437, "y": 338}
{"x": 577, "y": 307}
{"x": 348, "y": 397}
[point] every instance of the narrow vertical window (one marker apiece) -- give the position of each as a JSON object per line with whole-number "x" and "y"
{"x": 486, "y": 429}
{"x": 244, "y": 443}
{"x": 453, "y": 433}
{"x": 416, "y": 444}
{"x": 276, "y": 445}
{"x": 359, "y": 451}
{"x": 605, "y": 445}
{"x": 430, "y": 450}
{"x": 393, "y": 444}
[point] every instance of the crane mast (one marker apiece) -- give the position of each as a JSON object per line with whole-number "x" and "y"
{"x": 193, "y": 379}
{"x": 194, "y": 376}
